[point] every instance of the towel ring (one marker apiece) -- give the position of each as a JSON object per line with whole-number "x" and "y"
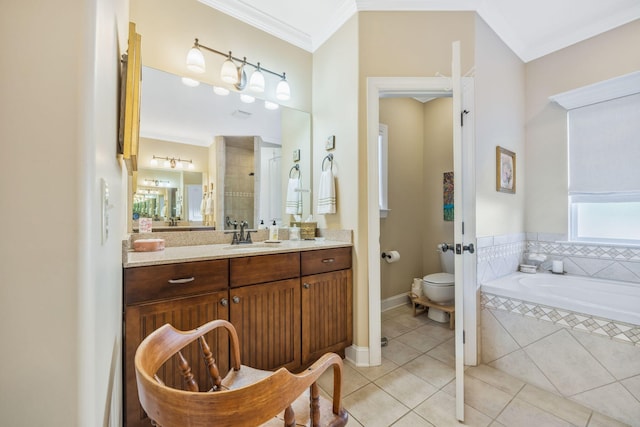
{"x": 330, "y": 158}
{"x": 297, "y": 168}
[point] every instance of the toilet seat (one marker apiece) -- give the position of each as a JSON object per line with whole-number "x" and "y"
{"x": 439, "y": 279}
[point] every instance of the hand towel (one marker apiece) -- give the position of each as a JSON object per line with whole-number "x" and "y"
{"x": 327, "y": 193}
{"x": 293, "y": 204}
{"x": 208, "y": 209}
{"x": 203, "y": 205}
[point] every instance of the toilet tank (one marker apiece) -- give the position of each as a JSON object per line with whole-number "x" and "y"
{"x": 447, "y": 260}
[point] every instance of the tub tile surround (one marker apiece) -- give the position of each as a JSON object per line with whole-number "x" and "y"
{"x": 501, "y": 255}
{"x": 593, "y": 370}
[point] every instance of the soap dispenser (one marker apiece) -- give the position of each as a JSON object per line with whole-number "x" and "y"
{"x": 273, "y": 232}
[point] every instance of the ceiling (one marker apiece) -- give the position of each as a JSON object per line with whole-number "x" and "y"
{"x": 531, "y": 28}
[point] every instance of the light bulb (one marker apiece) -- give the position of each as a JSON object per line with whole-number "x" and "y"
{"x": 154, "y": 162}
{"x": 270, "y": 105}
{"x": 247, "y": 99}
{"x": 219, "y": 90}
{"x": 195, "y": 59}
{"x": 256, "y": 83}
{"x": 229, "y": 71}
{"x": 283, "y": 92}
{"x": 179, "y": 165}
{"x": 191, "y": 166}
{"x": 167, "y": 164}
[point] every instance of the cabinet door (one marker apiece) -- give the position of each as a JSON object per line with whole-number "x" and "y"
{"x": 327, "y": 324}
{"x": 185, "y": 314}
{"x": 267, "y": 319}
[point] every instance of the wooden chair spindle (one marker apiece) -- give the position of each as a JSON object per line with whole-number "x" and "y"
{"x": 185, "y": 369}
{"x": 214, "y": 373}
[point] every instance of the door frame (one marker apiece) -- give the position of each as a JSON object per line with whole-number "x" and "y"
{"x": 396, "y": 87}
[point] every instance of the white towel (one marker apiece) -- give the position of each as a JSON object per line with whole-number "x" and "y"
{"x": 327, "y": 193}
{"x": 208, "y": 209}
{"x": 293, "y": 204}
{"x": 203, "y": 205}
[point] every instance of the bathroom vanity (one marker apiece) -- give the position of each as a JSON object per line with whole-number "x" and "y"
{"x": 290, "y": 303}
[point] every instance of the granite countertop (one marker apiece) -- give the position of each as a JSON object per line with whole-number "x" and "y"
{"x": 178, "y": 254}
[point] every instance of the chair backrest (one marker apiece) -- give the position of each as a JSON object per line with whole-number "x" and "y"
{"x": 255, "y": 398}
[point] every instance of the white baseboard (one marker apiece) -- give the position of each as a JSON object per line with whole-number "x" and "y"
{"x": 394, "y": 301}
{"x": 359, "y": 356}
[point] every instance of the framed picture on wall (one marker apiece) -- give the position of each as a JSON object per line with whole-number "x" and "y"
{"x": 505, "y": 170}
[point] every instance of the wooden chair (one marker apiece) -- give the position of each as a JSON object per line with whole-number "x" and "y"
{"x": 245, "y": 397}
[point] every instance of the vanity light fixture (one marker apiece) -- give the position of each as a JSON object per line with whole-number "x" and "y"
{"x": 172, "y": 162}
{"x": 155, "y": 183}
{"x": 232, "y": 71}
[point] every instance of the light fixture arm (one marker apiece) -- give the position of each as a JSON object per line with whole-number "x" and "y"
{"x": 241, "y": 60}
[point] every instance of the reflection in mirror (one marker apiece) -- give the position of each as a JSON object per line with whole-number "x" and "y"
{"x": 199, "y": 176}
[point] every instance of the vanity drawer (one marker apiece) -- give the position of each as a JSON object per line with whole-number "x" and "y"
{"x": 323, "y": 260}
{"x": 263, "y": 268}
{"x": 157, "y": 282}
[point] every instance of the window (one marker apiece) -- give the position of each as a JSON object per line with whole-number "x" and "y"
{"x": 383, "y": 157}
{"x": 604, "y": 168}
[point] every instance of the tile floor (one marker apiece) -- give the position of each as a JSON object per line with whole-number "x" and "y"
{"x": 415, "y": 386}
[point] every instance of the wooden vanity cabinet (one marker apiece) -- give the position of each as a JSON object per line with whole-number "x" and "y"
{"x": 327, "y": 302}
{"x": 185, "y": 295}
{"x": 288, "y": 310}
{"x": 265, "y": 309}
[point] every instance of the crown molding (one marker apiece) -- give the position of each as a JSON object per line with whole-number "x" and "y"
{"x": 262, "y": 21}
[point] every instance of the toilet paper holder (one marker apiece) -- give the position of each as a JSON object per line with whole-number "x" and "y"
{"x": 385, "y": 255}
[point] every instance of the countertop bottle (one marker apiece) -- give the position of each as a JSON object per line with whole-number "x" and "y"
{"x": 273, "y": 232}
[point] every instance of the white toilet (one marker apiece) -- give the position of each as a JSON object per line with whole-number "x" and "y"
{"x": 440, "y": 287}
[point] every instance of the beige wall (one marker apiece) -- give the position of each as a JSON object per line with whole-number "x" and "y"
{"x": 499, "y": 120}
{"x": 168, "y": 28}
{"x": 335, "y": 112}
{"x": 600, "y": 58}
{"x": 60, "y": 286}
{"x": 438, "y": 159}
{"x": 403, "y": 228}
{"x": 400, "y": 44}
{"x": 420, "y": 151}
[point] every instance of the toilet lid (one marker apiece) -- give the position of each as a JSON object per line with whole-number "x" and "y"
{"x": 440, "y": 279}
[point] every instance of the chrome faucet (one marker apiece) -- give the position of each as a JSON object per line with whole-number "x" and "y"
{"x": 242, "y": 238}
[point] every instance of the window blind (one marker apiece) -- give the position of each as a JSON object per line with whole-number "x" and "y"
{"x": 604, "y": 146}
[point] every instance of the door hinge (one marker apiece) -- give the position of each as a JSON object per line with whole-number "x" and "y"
{"x": 462, "y": 116}
{"x": 463, "y": 227}
{"x": 463, "y": 337}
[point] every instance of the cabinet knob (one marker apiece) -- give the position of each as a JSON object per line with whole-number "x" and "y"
{"x": 224, "y": 302}
{"x": 235, "y": 299}
{"x": 306, "y": 285}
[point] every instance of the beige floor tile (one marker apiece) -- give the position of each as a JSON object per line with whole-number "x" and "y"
{"x": 411, "y": 321}
{"x": 396, "y": 311}
{"x": 445, "y": 352}
{"x": 392, "y": 329}
{"x": 633, "y": 385}
{"x": 399, "y": 352}
{"x": 599, "y": 420}
{"x": 406, "y": 387}
{"x": 431, "y": 370}
{"x": 440, "y": 410}
{"x": 425, "y": 337}
{"x": 614, "y": 401}
{"x": 496, "y": 378}
{"x": 373, "y": 407}
{"x": 374, "y": 372}
{"x": 562, "y": 408}
{"x": 481, "y": 396}
{"x": 520, "y": 413}
{"x": 496, "y": 424}
{"x": 352, "y": 380}
{"x": 412, "y": 420}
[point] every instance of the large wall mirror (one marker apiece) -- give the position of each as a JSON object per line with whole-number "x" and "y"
{"x": 211, "y": 160}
